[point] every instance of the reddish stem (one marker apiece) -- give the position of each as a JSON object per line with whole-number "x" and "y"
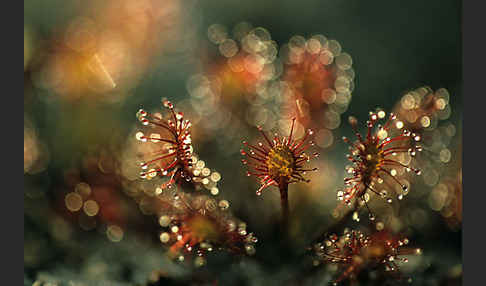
{"x": 283, "y": 185}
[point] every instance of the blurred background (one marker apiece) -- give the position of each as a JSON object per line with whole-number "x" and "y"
{"x": 89, "y": 66}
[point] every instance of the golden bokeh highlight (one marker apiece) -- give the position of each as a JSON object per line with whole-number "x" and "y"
{"x": 114, "y": 233}
{"x": 74, "y": 202}
{"x": 91, "y": 208}
{"x": 36, "y": 154}
{"x": 83, "y": 189}
{"x": 104, "y": 52}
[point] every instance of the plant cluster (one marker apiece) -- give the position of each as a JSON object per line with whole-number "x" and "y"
{"x": 317, "y": 78}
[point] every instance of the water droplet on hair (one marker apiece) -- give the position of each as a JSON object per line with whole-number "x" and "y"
{"x": 167, "y": 104}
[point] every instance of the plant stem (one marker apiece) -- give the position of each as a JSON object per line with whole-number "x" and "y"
{"x": 283, "y": 185}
